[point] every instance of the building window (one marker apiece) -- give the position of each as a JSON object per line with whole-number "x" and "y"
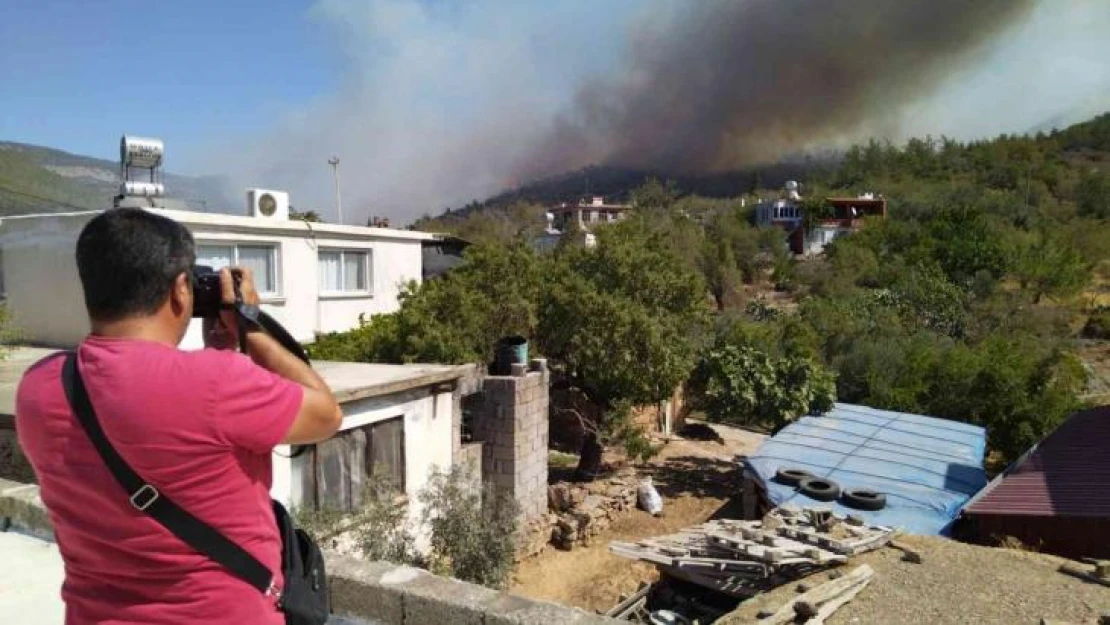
{"x": 262, "y": 260}
{"x": 344, "y": 271}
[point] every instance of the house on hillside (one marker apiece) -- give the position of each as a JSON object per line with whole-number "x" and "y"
{"x": 313, "y": 277}
{"x": 1055, "y": 497}
{"x": 840, "y": 216}
{"x": 581, "y": 218}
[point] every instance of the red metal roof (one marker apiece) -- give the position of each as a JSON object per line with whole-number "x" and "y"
{"x": 1067, "y": 474}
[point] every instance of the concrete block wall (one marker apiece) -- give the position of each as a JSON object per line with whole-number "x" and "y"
{"x": 513, "y": 426}
{"x": 364, "y": 593}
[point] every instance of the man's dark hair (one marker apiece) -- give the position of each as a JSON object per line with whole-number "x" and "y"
{"x": 128, "y": 260}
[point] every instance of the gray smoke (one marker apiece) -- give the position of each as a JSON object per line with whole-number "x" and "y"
{"x": 447, "y": 101}
{"x": 733, "y": 83}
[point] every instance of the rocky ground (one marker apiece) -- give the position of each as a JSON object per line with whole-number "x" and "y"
{"x": 959, "y": 583}
{"x": 696, "y": 475}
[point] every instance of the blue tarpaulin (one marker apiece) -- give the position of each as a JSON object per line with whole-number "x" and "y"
{"x": 928, "y": 468}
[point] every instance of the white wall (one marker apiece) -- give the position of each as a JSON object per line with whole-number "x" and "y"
{"x": 428, "y": 444}
{"x": 44, "y": 292}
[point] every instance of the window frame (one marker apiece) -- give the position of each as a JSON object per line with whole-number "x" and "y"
{"x": 275, "y": 258}
{"x": 368, "y": 272}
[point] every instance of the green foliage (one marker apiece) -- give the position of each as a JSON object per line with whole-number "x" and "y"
{"x": 310, "y": 216}
{"x": 379, "y": 525}
{"x": 473, "y": 530}
{"x": 617, "y": 318}
{"x": 1093, "y": 194}
{"x": 1098, "y": 324}
{"x": 456, "y": 318}
{"x": 9, "y": 334}
{"x": 739, "y": 384}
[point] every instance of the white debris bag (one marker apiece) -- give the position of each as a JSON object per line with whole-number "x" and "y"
{"x": 649, "y": 498}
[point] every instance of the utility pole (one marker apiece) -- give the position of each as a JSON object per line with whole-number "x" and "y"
{"x": 334, "y": 162}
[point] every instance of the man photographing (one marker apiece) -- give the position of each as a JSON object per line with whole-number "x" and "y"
{"x": 199, "y": 427}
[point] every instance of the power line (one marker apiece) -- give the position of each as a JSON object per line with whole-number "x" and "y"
{"x": 43, "y": 199}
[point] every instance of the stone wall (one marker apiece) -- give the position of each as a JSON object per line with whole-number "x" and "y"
{"x": 513, "y": 427}
{"x": 580, "y": 512}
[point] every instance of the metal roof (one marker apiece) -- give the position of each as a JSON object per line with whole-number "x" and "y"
{"x": 1066, "y": 474}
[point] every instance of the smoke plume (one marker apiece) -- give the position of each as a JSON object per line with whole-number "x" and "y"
{"x": 447, "y": 101}
{"x": 733, "y": 83}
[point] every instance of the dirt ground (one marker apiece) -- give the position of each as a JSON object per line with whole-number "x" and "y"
{"x": 696, "y": 474}
{"x": 958, "y": 583}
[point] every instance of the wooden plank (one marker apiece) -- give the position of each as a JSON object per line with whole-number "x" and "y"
{"x": 831, "y": 606}
{"x": 630, "y": 604}
{"x": 819, "y": 595}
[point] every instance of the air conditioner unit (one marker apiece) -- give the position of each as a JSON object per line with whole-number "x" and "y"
{"x": 266, "y": 204}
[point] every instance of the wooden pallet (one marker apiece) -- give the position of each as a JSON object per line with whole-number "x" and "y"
{"x": 742, "y": 558}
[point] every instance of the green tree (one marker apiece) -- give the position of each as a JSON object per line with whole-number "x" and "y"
{"x": 1093, "y": 194}
{"x": 617, "y": 322}
{"x": 309, "y": 215}
{"x": 739, "y": 384}
{"x": 1045, "y": 267}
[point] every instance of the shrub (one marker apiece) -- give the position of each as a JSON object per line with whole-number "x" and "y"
{"x": 473, "y": 530}
{"x": 379, "y": 525}
{"x": 740, "y": 384}
{"x": 1098, "y": 324}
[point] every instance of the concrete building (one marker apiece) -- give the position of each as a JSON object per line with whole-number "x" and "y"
{"x": 586, "y": 214}
{"x": 313, "y": 277}
{"x": 401, "y": 424}
{"x": 840, "y": 216}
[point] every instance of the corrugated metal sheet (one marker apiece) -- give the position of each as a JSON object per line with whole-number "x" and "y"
{"x": 1066, "y": 475}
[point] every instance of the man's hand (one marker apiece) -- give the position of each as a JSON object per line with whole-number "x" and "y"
{"x": 223, "y": 333}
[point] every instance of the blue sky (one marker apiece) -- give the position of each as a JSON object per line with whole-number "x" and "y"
{"x": 76, "y": 74}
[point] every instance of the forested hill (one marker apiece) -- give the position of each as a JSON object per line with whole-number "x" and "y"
{"x": 1043, "y": 165}
{"x": 41, "y": 179}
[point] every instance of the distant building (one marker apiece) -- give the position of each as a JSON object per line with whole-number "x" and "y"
{"x": 586, "y": 213}
{"x": 843, "y": 215}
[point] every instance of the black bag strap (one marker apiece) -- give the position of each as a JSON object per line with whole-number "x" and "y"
{"x": 146, "y": 498}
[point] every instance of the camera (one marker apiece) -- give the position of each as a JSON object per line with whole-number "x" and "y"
{"x": 207, "y": 294}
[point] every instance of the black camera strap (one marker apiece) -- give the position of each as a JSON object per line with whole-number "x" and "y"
{"x": 146, "y": 498}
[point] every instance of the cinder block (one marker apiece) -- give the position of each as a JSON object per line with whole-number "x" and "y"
{"x": 432, "y": 599}
{"x": 356, "y": 588}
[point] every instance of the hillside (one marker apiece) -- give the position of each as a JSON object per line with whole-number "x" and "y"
{"x": 40, "y": 179}
{"x": 1051, "y": 164}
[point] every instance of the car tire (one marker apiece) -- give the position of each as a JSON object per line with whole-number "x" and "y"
{"x": 792, "y": 477}
{"x": 863, "y": 499}
{"x": 819, "y": 488}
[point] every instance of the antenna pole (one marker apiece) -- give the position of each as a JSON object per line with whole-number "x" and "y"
{"x": 334, "y": 162}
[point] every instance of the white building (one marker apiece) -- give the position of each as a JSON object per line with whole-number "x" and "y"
{"x": 313, "y": 277}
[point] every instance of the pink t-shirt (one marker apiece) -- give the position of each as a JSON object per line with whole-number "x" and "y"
{"x": 199, "y": 426}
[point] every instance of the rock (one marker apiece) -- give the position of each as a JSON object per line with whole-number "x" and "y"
{"x": 855, "y": 520}
{"x": 762, "y": 614}
{"x": 591, "y": 504}
{"x": 577, "y": 496}
{"x": 558, "y": 497}
{"x": 803, "y": 587}
{"x": 568, "y": 523}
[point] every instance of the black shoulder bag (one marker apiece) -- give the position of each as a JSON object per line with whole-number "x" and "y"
{"x": 304, "y": 599}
